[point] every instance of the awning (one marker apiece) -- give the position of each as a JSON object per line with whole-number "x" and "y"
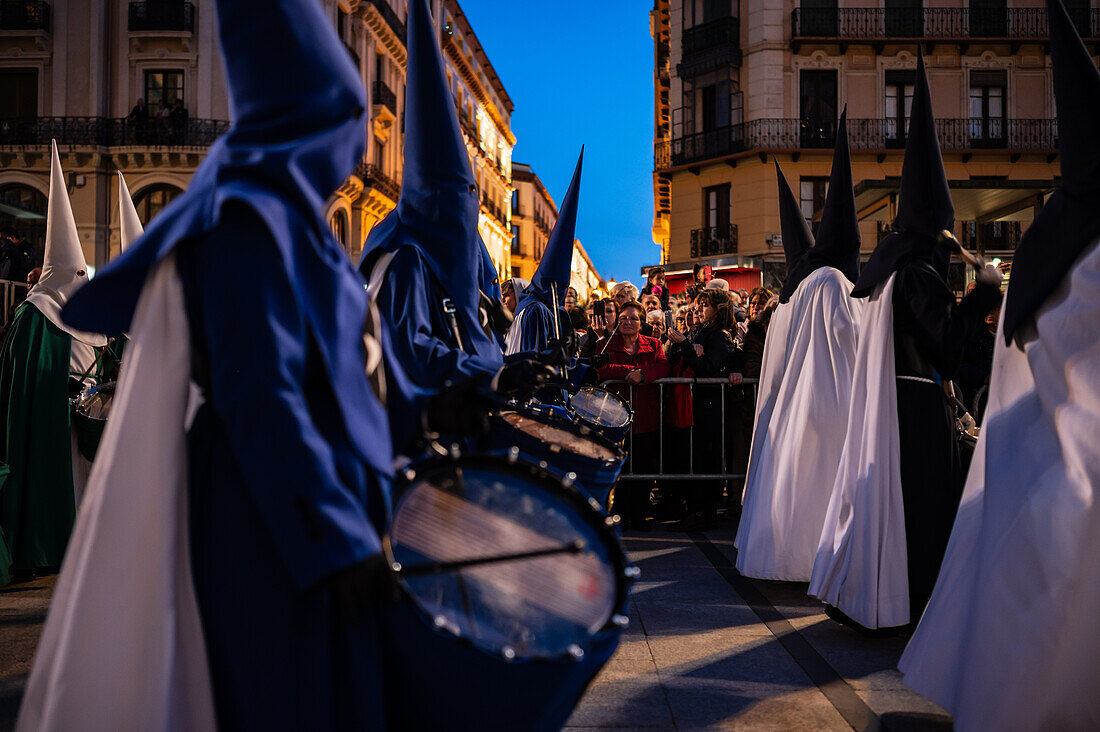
{"x": 977, "y": 199}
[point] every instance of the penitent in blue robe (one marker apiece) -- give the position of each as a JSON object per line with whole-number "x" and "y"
{"x": 422, "y": 356}
{"x": 279, "y": 498}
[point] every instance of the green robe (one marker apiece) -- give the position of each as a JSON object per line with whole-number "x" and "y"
{"x": 37, "y": 503}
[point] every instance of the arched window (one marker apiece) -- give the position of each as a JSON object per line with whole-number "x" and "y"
{"x": 24, "y": 209}
{"x": 339, "y": 224}
{"x": 152, "y": 200}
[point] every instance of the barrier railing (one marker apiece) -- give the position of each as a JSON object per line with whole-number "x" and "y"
{"x": 691, "y": 383}
{"x": 12, "y": 293}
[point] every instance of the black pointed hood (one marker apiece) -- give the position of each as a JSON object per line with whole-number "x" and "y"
{"x": 797, "y": 237}
{"x": 438, "y": 209}
{"x": 924, "y": 205}
{"x": 557, "y": 261}
{"x": 1070, "y": 220}
{"x": 838, "y": 239}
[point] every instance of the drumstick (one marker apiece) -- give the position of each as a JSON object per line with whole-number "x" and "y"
{"x": 557, "y": 326}
{"x": 419, "y": 570}
{"x": 608, "y": 343}
{"x": 974, "y": 260}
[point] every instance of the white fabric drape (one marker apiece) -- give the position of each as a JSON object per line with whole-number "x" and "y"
{"x": 123, "y": 646}
{"x": 800, "y": 429}
{"x": 861, "y": 561}
{"x": 1009, "y": 639}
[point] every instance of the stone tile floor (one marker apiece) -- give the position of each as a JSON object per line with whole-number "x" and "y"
{"x": 697, "y": 655}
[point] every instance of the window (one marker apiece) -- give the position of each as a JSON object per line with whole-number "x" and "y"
{"x": 904, "y": 19}
{"x": 517, "y": 272}
{"x": 379, "y": 153}
{"x": 716, "y": 208}
{"x": 899, "y": 104}
{"x": 988, "y": 19}
{"x": 516, "y": 248}
{"x": 811, "y": 198}
{"x": 379, "y": 68}
{"x": 515, "y": 203}
{"x": 162, "y": 89}
{"x": 817, "y": 108}
{"x": 19, "y": 90}
{"x": 697, "y": 12}
{"x": 819, "y": 18}
{"x": 339, "y": 226}
{"x": 152, "y": 200}
{"x": 987, "y": 108}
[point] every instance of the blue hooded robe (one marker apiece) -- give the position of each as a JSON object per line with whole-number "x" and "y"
{"x": 534, "y": 324}
{"x": 289, "y": 457}
{"x": 437, "y": 255}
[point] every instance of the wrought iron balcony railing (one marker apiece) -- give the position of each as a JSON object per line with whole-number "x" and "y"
{"x": 720, "y": 32}
{"x": 961, "y": 24}
{"x": 661, "y": 155}
{"x": 711, "y": 241}
{"x": 991, "y": 236}
{"x": 863, "y": 134}
{"x": 391, "y": 19}
{"x": 21, "y": 15}
{"x": 374, "y": 177}
{"x": 108, "y": 132}
{"x": 162, "y": 15}
{"x": 382, "y": 94}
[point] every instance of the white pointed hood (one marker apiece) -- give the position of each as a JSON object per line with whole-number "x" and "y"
{"x": 64, "y": 269}
{"x": 129, "y": 223}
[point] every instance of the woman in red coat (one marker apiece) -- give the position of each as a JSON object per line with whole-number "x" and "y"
{"x": 639, "y": 360}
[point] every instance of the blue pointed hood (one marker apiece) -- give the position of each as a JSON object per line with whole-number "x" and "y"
{"x": 924, "y": 199}
{"x": 838, "y": 239}
{"x": 557, "y": 261}
{"x": 797, "y": 237}
{"x": 297, "y": 131}
{"x": 437, "y": 211}
{"x": 1070, "y": 220}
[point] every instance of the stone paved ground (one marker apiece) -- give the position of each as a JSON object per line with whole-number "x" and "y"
{"x": 699, "y": 654}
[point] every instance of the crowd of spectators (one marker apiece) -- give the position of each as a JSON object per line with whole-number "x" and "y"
{"x": 167, "y": 124}
{"x": 708, "y": 331}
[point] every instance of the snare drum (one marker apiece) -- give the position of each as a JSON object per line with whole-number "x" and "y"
{"x": 604, "y": 411}
{"x": 513, "y": 592}
{"x": 89, "y": 411}
{"x": 562, "y": 445}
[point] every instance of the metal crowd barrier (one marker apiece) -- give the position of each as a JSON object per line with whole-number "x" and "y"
{"x": 9, "y": 299}
{"x": 691, "y": 383}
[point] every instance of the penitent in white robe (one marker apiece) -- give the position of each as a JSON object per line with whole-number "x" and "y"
{"x": 861, "y": 565}
{"x": 1009, "y": 640}
{"x": 123, "y": 645}
{"x": 800, "y": 429}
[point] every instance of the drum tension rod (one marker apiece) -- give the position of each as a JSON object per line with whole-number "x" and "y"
{"x": 426, "y": 568}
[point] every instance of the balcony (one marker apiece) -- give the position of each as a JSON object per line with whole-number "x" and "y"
{"x": 878, "y": 25}
{"x": 957, "y": 135}
{"x": 495, "y": 211}
{"x": 394, "y": 22}
{"x": 373, "y": 177}
{"x": 712, "y": 44}
{"x": 24, "y": 15}
{"x": 164, "y": 15}
{"x": 997, "y": 236}
{"x": 384, "y": 96}
{"x": 107, "y": 132}
{"x": 713, "y": 241}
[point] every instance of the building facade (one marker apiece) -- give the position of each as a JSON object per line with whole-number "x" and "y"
{"x": 75, "y": 70}
{"x": 740, "y": 81}
{"x": 534, "y": 214}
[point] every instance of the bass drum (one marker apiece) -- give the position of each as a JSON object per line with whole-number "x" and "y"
{"x": 561, "y": 444}
{"x": 513, "y": 596}
{"x": 604, "y": 411}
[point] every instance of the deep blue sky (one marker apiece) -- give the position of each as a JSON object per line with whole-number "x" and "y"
{"x": 582, "y": 73}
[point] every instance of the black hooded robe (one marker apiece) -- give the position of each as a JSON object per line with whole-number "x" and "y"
{"x": 930, "y": 335}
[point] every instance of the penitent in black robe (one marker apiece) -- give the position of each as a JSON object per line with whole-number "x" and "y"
{"x": 930, "y": 335}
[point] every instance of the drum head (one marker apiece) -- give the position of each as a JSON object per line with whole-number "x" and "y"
{"x": 558, "y": 437}
{"x": 601, "y": 407}
{"x": 538, "y": 607}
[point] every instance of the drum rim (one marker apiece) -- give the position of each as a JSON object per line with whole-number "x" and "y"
{"x": 583, "y": 428}
{"x": 624, "y": 571}
{"x": 626, "y": 403}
